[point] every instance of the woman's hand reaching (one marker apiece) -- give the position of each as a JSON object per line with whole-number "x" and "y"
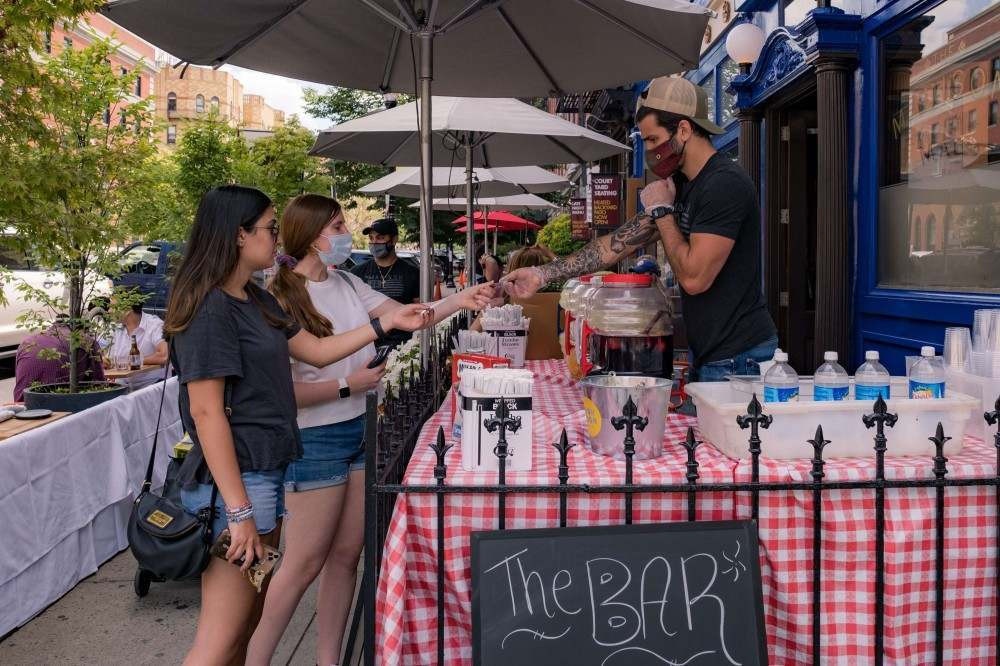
{"x": 410, "y": 317}
{"x": 476, "y": 297}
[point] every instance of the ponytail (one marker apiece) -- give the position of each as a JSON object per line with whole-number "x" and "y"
{"x": 301, "y": 223}
{"x": 289, "y": 288}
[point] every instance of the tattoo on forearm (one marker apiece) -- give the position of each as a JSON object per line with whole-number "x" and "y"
{"x": 637, "y": 232}
{"x": 586, "y": 260}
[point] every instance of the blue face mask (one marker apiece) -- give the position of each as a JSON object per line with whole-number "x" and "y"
{"x": 340, "y": 249}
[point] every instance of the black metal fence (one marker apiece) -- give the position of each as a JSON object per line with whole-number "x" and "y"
{"x": 396, "y": 431}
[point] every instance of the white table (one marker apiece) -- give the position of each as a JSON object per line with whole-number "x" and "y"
{"x": 65, "y": 495}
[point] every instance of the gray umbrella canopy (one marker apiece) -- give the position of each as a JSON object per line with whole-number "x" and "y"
{"x": 514, "y": 202}
{"x": 511, "y": 48}
{"x": 457, "y": 47}
{"x": 496, "y": 182}
{"x": 502, "y": 131}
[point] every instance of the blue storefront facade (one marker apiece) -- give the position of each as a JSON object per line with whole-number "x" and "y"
{"x": 872, "y": 129}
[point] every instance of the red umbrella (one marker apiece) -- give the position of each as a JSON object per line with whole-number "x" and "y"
{"x": 498, "y": 221}
{"x": 500, "y": 226}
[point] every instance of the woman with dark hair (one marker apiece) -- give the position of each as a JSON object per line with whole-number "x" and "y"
{"x": 230, "y": 345}
{"x": 325, "y": 488}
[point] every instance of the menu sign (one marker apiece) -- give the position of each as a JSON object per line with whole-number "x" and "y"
{"x": 578, "y": 219}
{"x": 680, "y": 593}
{"x": 606, "y": 191}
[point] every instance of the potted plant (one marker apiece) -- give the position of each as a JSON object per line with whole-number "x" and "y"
{"x": 77, "y": 160}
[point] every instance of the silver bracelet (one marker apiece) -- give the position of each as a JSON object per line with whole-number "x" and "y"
{"x": 240, "y": 515}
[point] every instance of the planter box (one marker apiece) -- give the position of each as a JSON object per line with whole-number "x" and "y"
{"x": 44, "y": 397}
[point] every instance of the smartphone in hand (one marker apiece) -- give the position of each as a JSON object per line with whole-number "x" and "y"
{"x": 260, "y": 570}
{"x": 381, "y": 354}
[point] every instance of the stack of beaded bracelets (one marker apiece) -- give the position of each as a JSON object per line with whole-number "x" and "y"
{"x": 240, "y": 513}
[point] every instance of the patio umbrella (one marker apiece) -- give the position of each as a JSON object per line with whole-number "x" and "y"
{"x": 512, "y": 203}
{"x": 498, "y": 181}
{"x": 497, "y": 221}
{"x": 489, "y": 132}
{"x": 511, "y": 48}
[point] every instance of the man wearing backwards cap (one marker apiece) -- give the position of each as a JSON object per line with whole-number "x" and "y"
{"x": 704, "y": 209}
{"x": 386, "y": 273}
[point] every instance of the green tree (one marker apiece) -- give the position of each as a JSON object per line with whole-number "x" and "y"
{"x": 162, "y": 213}
{"x": 284, "y": 165}
{"x": 557, "y": 236}
{"x": 70, "y": 173}
{"x": 340, "y": 105}
{"x": 211, "y": 153}
{"x": 23, "y": 27}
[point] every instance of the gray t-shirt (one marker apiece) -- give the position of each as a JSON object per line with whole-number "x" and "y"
{"x": 231, "y": 338}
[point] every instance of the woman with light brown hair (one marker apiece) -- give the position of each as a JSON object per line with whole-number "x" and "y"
{"x": 325, "y": 488}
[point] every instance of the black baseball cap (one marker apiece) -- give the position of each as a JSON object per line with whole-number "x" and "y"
{"x": 384, "y": 226}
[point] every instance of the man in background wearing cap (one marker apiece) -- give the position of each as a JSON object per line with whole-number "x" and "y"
{"x": 704, "y": 210}
{"x": 386, "y": 273}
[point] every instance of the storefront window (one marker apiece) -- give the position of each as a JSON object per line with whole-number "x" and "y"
{"x": 939, "y": 199}
{"x": 727, "y": 72}
{"x": 709, "y": 85}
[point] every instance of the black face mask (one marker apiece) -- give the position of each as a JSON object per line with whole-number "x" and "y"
{"x": 381, "y": 250}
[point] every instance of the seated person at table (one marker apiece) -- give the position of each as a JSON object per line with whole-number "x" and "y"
{"x": 148, "y": 331}
{"x": 43, "y": 358}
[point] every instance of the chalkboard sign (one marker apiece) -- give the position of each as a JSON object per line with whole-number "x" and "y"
{"x": 636, "y": 595}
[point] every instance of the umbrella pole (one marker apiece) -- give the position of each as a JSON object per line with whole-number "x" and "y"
{"x": 470, "y": 232}
{"x": 426, "y": 184}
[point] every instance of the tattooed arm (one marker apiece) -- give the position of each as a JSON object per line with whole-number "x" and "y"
{"x": 599, "y": 253}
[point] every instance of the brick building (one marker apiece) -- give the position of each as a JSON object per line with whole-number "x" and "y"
{"x": 189, "y": 94}
{"x": 133, "y": 52}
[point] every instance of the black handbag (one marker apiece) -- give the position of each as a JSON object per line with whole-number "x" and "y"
{"x": 165, "y": 539}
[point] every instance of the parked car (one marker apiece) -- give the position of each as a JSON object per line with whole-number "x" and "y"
{"x": 23, "y": 270}
{"x": 148, "y": 268}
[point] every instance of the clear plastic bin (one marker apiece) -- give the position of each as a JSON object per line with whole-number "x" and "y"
{"x": 719, "y": 403}
{"x": 986, "y": 389}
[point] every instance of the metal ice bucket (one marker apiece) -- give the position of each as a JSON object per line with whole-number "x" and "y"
{"x": 604, "y": 398}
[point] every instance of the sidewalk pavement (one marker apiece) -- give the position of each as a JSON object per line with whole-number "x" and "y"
{"x": 101, "y": 621}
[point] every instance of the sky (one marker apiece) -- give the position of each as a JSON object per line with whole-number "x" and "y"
{"x": 279, "y": 93}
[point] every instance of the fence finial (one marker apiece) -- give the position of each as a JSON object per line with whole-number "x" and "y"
{"x": 503, "y": 421}
{"x": 691, "y": 444}
{"x": 440, "y": 448}
{"x": 940, "y": 462}
{"x": 754, "y": 418}
{"x": 818, "y": 444}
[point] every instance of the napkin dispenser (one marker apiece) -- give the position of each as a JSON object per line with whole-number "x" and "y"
{"x": 461, "y": 362}
{"x": 480, "y": 394}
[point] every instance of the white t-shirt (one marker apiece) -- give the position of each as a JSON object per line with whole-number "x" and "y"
{"x": 148, "y": 334}
{"x": 347, "y": 309}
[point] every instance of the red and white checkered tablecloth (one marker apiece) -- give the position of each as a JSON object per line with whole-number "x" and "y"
{"x": 848, "y": 555}
{"x": 407, "y": 591}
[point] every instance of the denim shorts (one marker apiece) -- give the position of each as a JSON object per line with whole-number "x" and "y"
{"x": 264, "y": 489}
{"x": 745, "y": 363}
{"x": 330, "y": 453}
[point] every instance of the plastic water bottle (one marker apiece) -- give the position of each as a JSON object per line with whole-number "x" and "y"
{"x": 871, "y": 380}
{"x": 927, "y": 376}
{"x": 781, "y": 383}
{"x": 830, "y": 382}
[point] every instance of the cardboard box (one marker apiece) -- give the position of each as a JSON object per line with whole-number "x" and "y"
{"x": 543, "y": 336}
{"x": 509, "y": 343}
